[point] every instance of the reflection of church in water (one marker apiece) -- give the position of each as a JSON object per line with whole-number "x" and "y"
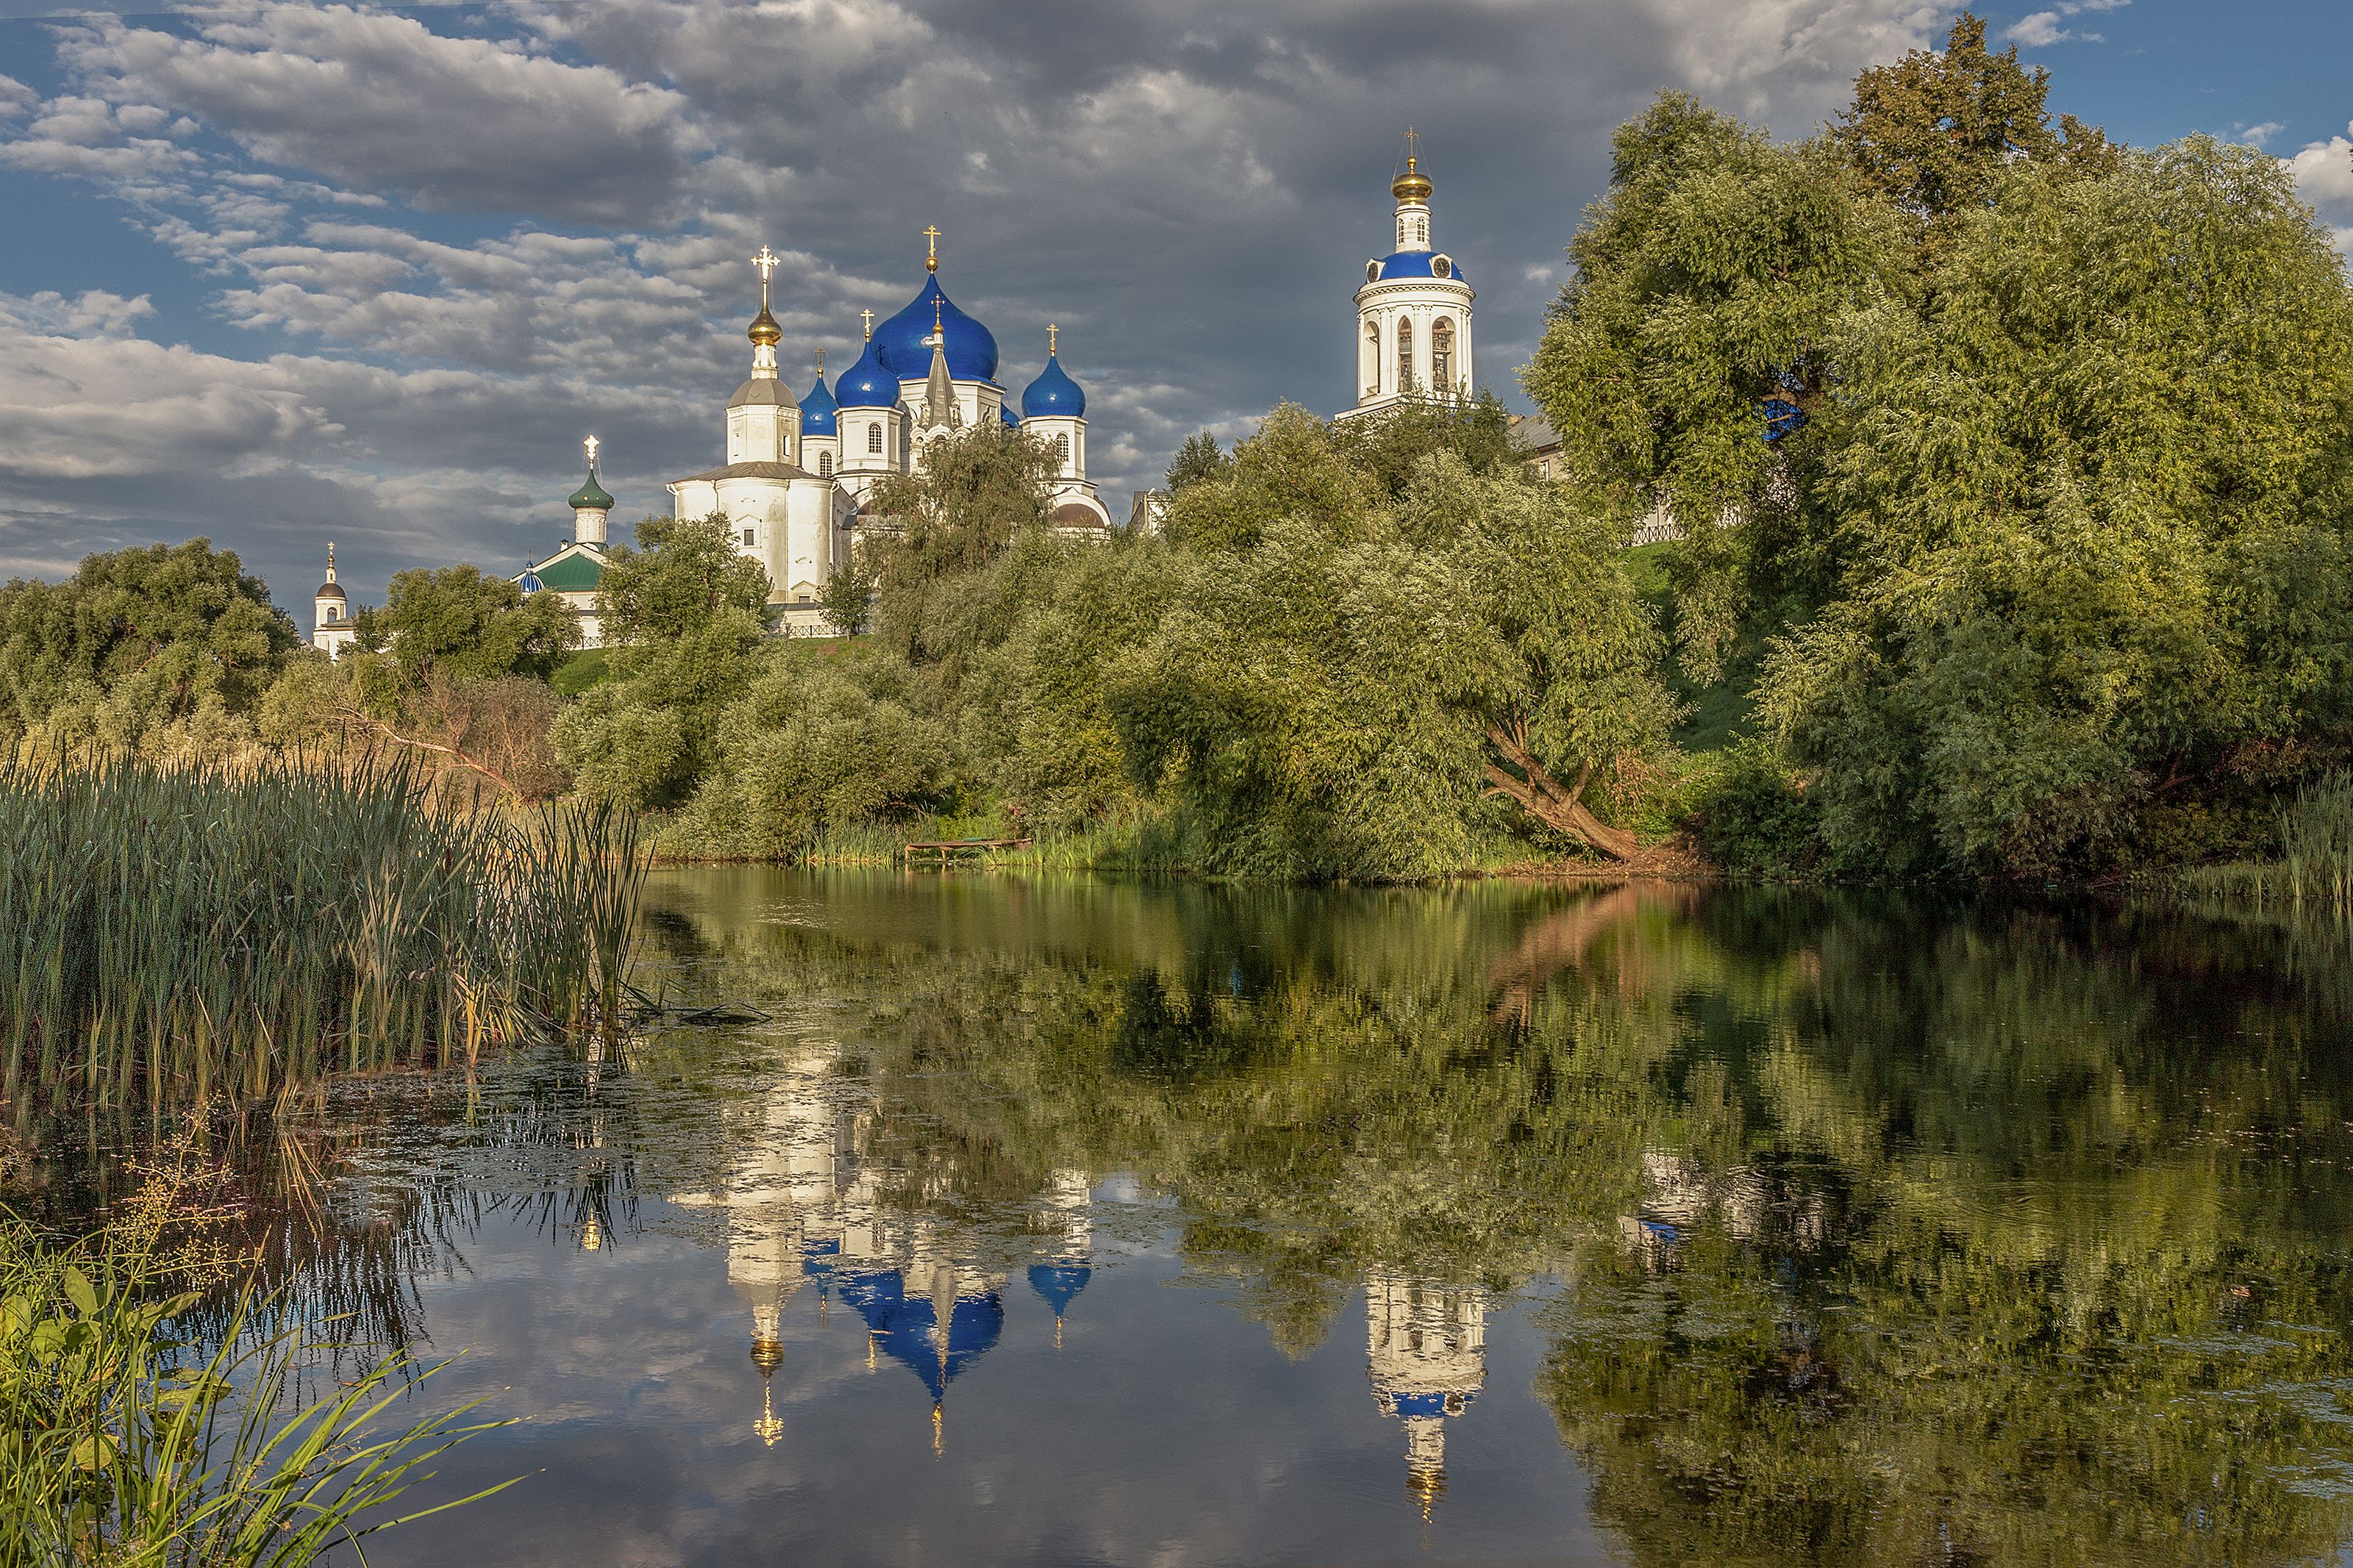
{"x": 803, "y": 1209}
{"x": 1426, "y": 1352}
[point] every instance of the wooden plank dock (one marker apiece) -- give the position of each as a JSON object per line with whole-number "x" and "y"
{"x": 945, "y": 852}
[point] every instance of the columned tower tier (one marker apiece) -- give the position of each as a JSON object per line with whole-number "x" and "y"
{"x": 1413, "y": 312}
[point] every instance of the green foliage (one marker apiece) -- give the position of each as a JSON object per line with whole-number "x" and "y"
{"x": 848, "y": 594}
{"x": 1719, "y": 270}
{"x": 122, "y": 1443}
{"x": 826, "y": 739}
{"x": 1200, "y": 457}
{"x": 1932, "y": 132}
{"x": 587, "y": 667}
{"x": 645, "y": 738}
{"x": 685, "y": 574}
{"x": 2094, "y": 508}
{"x": 170, "y": 932}
{"x": 138, "y": 641}
{"x": 457, "y": 622}
{"x": 1753, "y": 817}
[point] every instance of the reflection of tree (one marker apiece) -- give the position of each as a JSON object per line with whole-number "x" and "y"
{"x": 1896, "y": 1233}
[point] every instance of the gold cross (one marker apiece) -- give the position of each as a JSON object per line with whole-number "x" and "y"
{"x": 1412, "y": 142}
{"x": 869, "y": 325}
{"x": 1051, "y": 330}
{"x": 932, "y": 259}
{"x": 767, "y": 262}
{"x": 591, "y": 443}
{"x": 820, "y": 362}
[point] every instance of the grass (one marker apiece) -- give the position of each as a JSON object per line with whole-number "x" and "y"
{"x": 179, "y": 933}
{"x": 2315, "y": 870}
{"x": 123, "y": 1444}
{"x": 581, "y": 670}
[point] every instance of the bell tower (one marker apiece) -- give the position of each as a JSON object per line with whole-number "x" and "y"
{"x": 1413, "y": 313}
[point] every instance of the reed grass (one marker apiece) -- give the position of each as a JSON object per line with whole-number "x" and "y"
{"x": 184, "y": 932}
{"x": 123, "y": 1443}
{"x": 2314, "y": 873}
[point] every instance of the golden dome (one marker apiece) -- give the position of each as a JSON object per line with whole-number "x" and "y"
{"x": 764, "y": 331}
{"x": 1412, "y": 185}
{"x": 767, "y": 1355}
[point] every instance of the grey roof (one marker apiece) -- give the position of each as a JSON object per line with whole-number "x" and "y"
{"x": 750, "y": 472}
{"x": 1533, "y": 433}
{"x": 762, "y": 391}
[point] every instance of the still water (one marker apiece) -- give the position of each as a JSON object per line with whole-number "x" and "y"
{"x": 1076, "y": 1222}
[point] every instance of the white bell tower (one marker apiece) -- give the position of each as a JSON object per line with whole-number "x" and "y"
{"x": 1413, "y": 313}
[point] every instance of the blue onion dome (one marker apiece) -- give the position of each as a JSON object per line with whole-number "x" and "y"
{"x": 1053, "y": 393}
{"x": 904, "y": 343}
{"x": 868, "y": 383}
{"x": 591, "y": 494}
{"x": 817, "y": 410}
{"x": 530, "y": 583}
{"x": 1005, "y": 412}
{"x": 1414, "y": 264}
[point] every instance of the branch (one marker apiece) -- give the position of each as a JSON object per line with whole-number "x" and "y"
{"x": 349, "y": 715}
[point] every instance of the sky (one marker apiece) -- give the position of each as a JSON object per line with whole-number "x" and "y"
{"x": 276, "y": 274}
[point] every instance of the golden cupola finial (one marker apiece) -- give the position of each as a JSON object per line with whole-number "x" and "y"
{"x": 763, "y": 332}
{"x": 1413, "y": 185}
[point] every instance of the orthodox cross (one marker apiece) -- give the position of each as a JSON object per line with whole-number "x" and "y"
{"x": 938, "y": 337}
{"x": 1412, "y": 144}
{"x": 820, "y": 362}
{"x": 1051, "y": 331}
{"x": 932, "y": 259}
{"x": 869, "y": 316}
{"x": 766, "y": 263}
{"x": 591, "y": 443}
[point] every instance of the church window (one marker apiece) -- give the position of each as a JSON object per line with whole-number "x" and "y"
{"x": 1372, "y": 359}
{"x": 825, "y": 462}
{"x": 1441, "y": 354}
{"x": 1372, "y": 271}
{"x": 1405, "y": 356}
{"x": 747, "y": 538}
{"x": 874, "y": 437}
{"x": 1062, "y": 450}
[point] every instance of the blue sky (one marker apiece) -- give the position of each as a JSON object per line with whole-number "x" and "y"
{"x": 279, "y": 273}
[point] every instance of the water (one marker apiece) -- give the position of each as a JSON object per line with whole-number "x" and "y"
{"x": 1071, "y": 1222}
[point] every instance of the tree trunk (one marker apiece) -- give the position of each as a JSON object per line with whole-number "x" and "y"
{"x": 1542, "y": 797}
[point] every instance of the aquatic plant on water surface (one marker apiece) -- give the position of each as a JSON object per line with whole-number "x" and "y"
{"x": 186, "y": 932}
{"x": 123, "y": 1441}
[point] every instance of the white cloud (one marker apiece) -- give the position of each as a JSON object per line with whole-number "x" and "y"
{"x": 2040, "y": 29}
{"x": 379, "y": 100}
{"x": 2257, "y": 135}
{"x": 2323, "y": 176}
{"x": 16, "y": 98}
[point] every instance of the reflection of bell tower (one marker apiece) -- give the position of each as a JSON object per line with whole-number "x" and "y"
{"x": 1065, "y": 1217}
{"x": 1426, "y": 1352}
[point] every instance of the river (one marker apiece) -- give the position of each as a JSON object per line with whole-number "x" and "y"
{"x": 1063, "y": 1221}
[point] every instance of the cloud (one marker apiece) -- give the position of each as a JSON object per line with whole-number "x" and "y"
{"x": 380, "y": 101}
{"x": 2039, "y": 29}
{"x": 2323, "y": 176}
{"x": 2257, "y": 135}
{"x": 1189, "y": 189}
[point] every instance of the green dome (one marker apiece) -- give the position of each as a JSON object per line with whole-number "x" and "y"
{"x": 591, "y": 494}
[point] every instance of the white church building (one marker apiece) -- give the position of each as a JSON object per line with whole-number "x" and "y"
{"x": 1413, "y": 313}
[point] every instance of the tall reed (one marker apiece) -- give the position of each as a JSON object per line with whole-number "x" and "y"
{"x": 184, "y": 932}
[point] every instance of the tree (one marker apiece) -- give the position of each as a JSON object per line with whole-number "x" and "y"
{"x": 136, "y": 640}
{"x": 1932, "y": 132}
{"x": 459, "y": 623}
{"x": 1718, "y": 276}
{"x": 974, "y": 499}
{"x": 685, "y": 574}
{"x": 1200, "y": 459}
{"x": 2095, "y": 508}
{"x": 848, "y": 594}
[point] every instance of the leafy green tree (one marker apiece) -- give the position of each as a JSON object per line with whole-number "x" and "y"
{"x": 456, "y": 621}
{"x": 2095, "y": 508}
{"x": 1934, "y": 132}
{"x": 647, "y": 738}
{"x": 685, "y": 574}
{"x": 826, "y": 739}
{"x": 1719, "y": 272}
{"x": 973, "y": 499}
{"x": 1200, "y": 457}
{"x": 848, "y": 594}
{"x": 137, "y": 640}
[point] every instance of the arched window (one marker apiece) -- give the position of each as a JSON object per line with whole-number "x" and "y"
{"x": 824, "y": 463}
{"x": 1442, "y": 355}
{"x": 874, "y": 437}
{"x": 1372, "y": 359}
{"x": 1062, "y": 451}
{"x": 1405, "y": 355}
